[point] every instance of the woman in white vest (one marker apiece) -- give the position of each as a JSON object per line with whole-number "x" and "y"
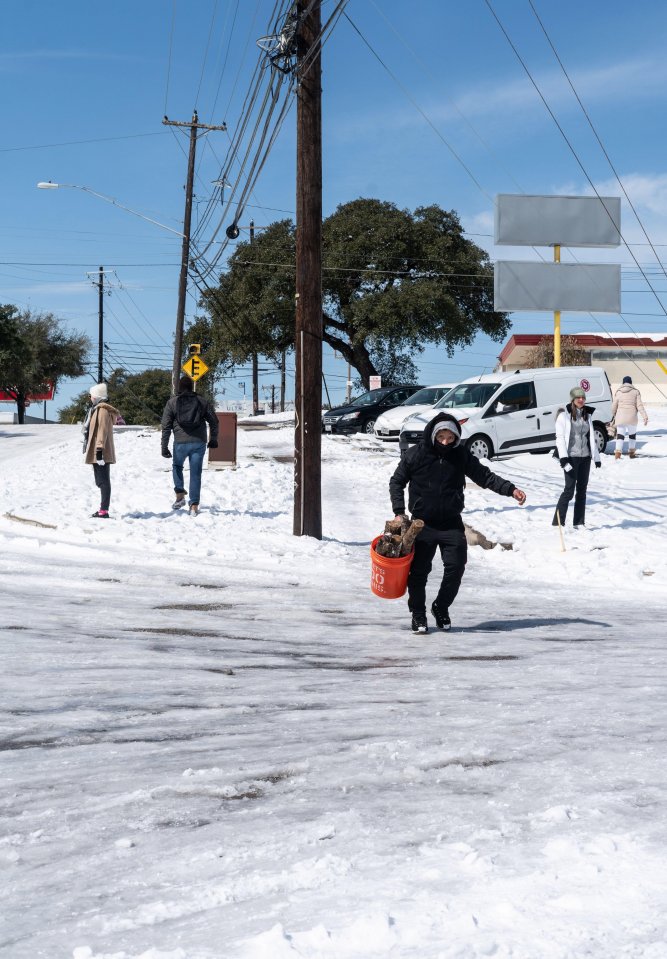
{"x": 625, "y": 412}
{"x": 576, "y": 444}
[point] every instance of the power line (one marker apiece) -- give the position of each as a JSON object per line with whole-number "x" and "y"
{"x": 596, "y": 135}
{"x": 171, "y": 41}
{"x": 69, "y": 143}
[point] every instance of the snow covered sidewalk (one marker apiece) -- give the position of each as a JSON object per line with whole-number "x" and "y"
{"x": 215, "y": 742}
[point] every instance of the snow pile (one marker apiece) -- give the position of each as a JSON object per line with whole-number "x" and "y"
{"x": 217, "y": 743}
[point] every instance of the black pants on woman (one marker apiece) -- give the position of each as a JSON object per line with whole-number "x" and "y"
{"x": 576, "y": 480}
{"x": 454, "y": 552}
{"x": 103, "y": 482}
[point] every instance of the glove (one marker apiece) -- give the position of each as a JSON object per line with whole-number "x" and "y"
{"x": 565, "y": 462}
{"x": 166, "y": 453}
{"x": 213, "y": 445}
{"x": 99, "y": 457}
{"x": 598, "y": 465}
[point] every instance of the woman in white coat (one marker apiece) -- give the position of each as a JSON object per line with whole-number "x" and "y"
{"x": 575, "y": 440}
{"x": 625, "y": 411}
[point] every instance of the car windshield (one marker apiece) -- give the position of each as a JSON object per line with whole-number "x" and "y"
{"x": 368, "y": 399}
{"x": 426, "y": 397}
{"x": 468, "y": 394}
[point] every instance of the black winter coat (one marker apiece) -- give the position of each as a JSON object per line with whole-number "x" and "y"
{"x": 188, "y": 402}
{"x": 437, "y": 477}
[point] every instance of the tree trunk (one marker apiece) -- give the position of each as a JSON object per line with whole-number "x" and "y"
{"x": 20, "y": 407}
{"x": 357, "y": 355}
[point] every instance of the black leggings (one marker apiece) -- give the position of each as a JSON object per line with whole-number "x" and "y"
{"x": 103, "y": 482}
{"x": 454, "y": 552}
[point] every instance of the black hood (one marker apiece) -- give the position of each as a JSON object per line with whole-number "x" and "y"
{"x": 341, "y": 410}
{"x": 428, "y": 432}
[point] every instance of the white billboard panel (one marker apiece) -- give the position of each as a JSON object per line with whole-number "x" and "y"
{"x": 551, "y": 220}
{"x": 579, "y": 287}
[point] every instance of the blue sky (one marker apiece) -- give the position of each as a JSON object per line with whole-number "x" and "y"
{"x": 94, "y": 72}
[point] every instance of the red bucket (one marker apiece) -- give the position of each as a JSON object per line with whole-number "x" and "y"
{"x": 389, "y": 577}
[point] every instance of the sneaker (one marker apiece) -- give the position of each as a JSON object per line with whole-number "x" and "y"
{"x": 632, "y": 454}
{"x": 100, "y": 514}
{"x": 179, "y": 501}
{"x": 419, "y": 624}
{"x": 194, "y": 509}
{"x": 441, "y": 617}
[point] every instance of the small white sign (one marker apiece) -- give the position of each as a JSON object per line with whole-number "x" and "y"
{"x": 374, "y": 382}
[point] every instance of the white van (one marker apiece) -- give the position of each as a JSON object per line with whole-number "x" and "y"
{"x": 504, "y": 413}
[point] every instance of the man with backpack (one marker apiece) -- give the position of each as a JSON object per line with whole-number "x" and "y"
{"x": 187, "y": 415}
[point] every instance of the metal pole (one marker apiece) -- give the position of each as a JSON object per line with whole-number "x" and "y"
{"x": 308, "y": 338}
{"x": 185, "y": 258}
{"x": 557, "y": 316}
{"x": 100, "y": 327}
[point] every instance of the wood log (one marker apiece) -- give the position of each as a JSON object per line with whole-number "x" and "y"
{"x": 398, "y": 537}
{"x": 410, "y": 535}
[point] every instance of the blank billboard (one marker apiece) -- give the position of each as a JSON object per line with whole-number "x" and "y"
{"x": 552, "y": 220}
{"x": 575, "y": 287}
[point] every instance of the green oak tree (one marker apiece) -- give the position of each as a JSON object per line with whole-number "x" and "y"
{"x": 394, "y": 281}
{"x": 139, "y": 397}
{"x": 35, "y": 349}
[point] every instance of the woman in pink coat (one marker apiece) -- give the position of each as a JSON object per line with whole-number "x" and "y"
{"x": 625, "y": 412}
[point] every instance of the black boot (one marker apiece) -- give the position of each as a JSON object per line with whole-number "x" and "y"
{"x": 441, "y": 617}
{"x": 419, "y": 624}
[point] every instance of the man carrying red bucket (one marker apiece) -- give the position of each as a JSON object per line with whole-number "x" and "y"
{"x": 435, "y": 472}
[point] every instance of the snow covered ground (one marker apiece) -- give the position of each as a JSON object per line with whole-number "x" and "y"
{"x": 216, "y": 743}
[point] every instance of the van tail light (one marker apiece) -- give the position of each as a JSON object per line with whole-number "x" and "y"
{"x": 461, "y": 422}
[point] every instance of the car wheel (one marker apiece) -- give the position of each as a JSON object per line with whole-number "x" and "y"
{"x": 601, "y": 438}
{"x": 369, "y": 427}
{"x": 480, "y": 446}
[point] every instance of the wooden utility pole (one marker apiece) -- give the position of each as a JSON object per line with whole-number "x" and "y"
{"x": 100, "y": 326}
{"x": 255, "y": 369}
{"x": 308, "y": 339}
{"x": 283, "y": 365}
{"x": 194, "y": 125}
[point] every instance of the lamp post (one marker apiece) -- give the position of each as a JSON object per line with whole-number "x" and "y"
{"x": 48, "y": 185}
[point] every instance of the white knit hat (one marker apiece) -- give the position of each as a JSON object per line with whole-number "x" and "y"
{"x": 99, "y": 392}
{"x": 451, "y": 425}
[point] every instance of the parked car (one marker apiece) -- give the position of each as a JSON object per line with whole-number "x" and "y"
{"x": 360, "y": 415}
{"x": 503, "y": 413}
{"x": 388, "y": 425}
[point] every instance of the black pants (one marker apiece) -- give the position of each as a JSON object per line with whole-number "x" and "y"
{"x": 454, "y": 552}
{"x": 576, "y": 479}
{"x": 103, "y": 483}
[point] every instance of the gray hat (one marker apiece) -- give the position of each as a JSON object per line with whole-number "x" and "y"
{"x": 451, "y": 425}
{"x": 577, "y": 391}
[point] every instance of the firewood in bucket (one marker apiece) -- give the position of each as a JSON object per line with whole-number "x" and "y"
{"x": 398, "y": 537}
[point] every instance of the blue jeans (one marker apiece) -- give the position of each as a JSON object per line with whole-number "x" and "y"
{"x": 195, "y": 452}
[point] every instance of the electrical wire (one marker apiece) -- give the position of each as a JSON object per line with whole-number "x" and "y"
{"x": 69, "y": 143}
{"x": 597, "y": 136}
{"x": 171, "y": 41}
{"x": 208, "y": 43}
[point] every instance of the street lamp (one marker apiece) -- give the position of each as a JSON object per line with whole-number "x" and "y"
{"x": 48, "y": 185}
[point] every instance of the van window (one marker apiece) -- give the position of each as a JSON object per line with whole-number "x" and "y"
{"x": 468, "y": 395}
{"x": 518, "y": 396}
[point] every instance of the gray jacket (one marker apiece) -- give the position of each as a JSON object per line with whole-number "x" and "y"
{"x": 190, "y": 406}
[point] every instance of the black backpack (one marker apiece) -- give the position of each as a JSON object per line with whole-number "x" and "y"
{"x": 189, "y": 412}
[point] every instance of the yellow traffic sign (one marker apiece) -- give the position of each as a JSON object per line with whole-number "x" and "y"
{"x": 195, "y": 368}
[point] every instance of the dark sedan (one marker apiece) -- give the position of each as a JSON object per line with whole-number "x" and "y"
{"x": 360, "y": 415}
